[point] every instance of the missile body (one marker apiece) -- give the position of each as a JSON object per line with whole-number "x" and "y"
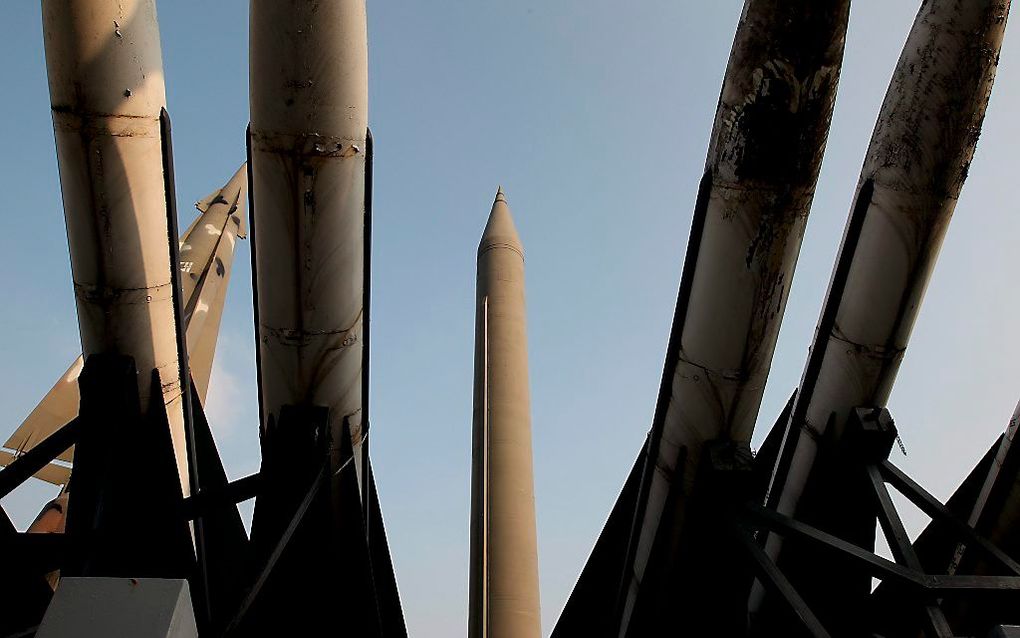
{"x": 763, "y": 161}
{"x": 915, "y": 167}
{"x": 504, "y": 595}
{"x": 309, "y": 125}
{"x": 206, "y": 259}
{"x": 106, "y": 87}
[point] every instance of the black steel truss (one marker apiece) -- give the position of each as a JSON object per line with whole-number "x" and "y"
{"x": 926, "y": 592}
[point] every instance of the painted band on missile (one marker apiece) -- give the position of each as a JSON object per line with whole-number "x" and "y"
{"x": 207, "y": 256}
{"x": 105, "y": 73}
{"x": 504, "y": 592}
{"x": 763, "y": 161}
{"x": 309, "y": 123}
{"x": 920, "y": 152}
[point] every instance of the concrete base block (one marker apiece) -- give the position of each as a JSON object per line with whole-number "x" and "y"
{"x": 139, "y": 608}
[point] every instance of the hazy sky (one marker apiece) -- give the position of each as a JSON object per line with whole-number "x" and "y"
{"x": 594, "y": 115}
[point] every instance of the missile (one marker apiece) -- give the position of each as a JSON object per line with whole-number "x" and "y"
{"x": 206, "y": 258}
{"x": 504, "y": 594}
{"x": 308, "y": 139}
{"x": 763, "y": 161}
{"x": 920, "y": 151}
{"x": 105, "y": 74}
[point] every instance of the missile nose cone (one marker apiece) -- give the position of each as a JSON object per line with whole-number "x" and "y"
{"x": 239, "y": 181}
{"x": 235, "y": 193}
{"x": 500, "y": 231}
{"x": 238, "y": 185}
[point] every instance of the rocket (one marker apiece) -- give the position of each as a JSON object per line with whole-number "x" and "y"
{"x": 310, "y": 154}
{"x": 920, "y": 152}
{"x": 206, "y": 257}
{"x": 309, "y": 144}
{"x": 207, "y": 254}
{"x": 504, "y": 593}
{"x": 763, "y": 161}
{"x": 107, "y": 94}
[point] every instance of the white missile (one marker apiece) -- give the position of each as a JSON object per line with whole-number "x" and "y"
{"x": 920, "y": 152}
{"x": 206, "y": 259}
{"x": 105, "y": 73}
{"x": 763, "y": 161}
{"x": 309, "y": 125}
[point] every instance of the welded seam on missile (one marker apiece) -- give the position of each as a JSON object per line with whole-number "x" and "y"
{"x": 125, "y": 296}
{"x": 494, "y": 245}
{"x": 105, "y": 124}
{"x": 876, "y": 351}
{"x": 725, "y": 375}
{"x": 312, "y": 144}
{"x": 300, "y": 335}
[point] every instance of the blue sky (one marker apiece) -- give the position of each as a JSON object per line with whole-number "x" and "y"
{"x": 594, "y": 115}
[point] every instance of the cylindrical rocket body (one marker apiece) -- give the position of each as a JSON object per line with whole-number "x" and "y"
{"x": 221, "y": 222}
{"x": 207, "y": 259}
{"x": 106, "y": 87}
{"x": 309, "y": 123}
{"x": 763, "y": 162}
{"x": 915, "y": 167}
{"x": 504, "y": 592}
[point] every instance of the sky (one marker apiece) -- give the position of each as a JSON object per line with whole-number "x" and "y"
{"x": 594, "y": 115}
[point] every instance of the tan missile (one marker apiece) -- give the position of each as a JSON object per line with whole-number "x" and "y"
{"x": 206, "y": 257}
{"x": 308, "y": 137}
{"x": 504, "y": 595}
{"x": 105, "y": 73}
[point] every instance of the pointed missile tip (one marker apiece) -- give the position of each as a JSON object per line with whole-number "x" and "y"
{"x": 500, "y": 231}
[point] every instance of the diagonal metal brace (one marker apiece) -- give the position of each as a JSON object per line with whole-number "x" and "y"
{"x": 278, "y": 550}
{"x": 903, "y": 551}
{"x": 774, "y": 579}
{"x": 936, "y": 510}
{"x": 26, "y": 465}
{"x": 877, "y": 566}
{"x": 234, "y": 492}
